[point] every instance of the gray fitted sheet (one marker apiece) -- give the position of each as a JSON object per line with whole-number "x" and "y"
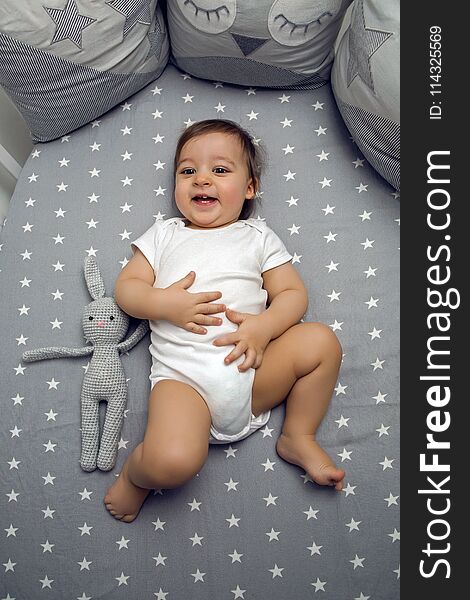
{"x": 289, "y": 538}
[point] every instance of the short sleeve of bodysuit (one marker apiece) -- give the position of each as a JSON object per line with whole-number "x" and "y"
{"x": 147, "y": 243}
{"x": 274, "y": 253}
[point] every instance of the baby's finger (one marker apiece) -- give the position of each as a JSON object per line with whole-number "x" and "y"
{"x": 206, "y": 320}
{"x": 250, "y": 358}
{"x": 195, "y": 328}
{"x": 210, "y": 309}
{"x": 226, "y": 340}
{"x": 239, "y": 349}
{"x": 203, "y": 297}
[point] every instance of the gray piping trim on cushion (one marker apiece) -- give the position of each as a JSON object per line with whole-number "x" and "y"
{"x": 377, "y": 137}
{"x": 56, "y": 96}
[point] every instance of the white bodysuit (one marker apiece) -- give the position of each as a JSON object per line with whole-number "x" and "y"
{"x": 231, "y": 260}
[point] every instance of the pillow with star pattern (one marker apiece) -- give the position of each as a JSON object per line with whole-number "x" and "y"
{"x": 366, "y": 83}
{"x": 66, "y": 62}
{"x": 272, "y": 43}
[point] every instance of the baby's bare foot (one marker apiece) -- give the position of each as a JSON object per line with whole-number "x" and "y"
{"x": 124, "y": 499}
{"x": 304, "y": 451}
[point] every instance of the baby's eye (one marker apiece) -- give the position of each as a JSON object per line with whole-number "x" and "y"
{"x": 220, "y": 170}
{"x": 188, "y": 171}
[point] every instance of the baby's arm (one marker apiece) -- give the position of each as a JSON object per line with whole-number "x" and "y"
{"x": 287, "y": 299}
{"x": 134, "y": 292}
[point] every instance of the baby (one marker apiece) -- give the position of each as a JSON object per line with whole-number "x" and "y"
{"x": 201, "y": 391}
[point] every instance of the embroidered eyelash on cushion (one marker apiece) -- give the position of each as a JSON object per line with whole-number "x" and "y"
{"x": 279, "y": 44}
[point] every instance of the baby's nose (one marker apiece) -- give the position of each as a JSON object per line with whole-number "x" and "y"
{"x": 100, "y": 324}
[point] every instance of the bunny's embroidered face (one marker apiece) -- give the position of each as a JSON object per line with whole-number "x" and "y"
{"x": 104, "y": 322}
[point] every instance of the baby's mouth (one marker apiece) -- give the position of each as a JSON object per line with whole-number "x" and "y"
{"x": 203, "y": 200}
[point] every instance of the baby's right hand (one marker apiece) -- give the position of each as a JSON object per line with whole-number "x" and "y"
{"x": 191, "y": 310}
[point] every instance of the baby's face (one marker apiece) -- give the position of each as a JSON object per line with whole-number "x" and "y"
{"x": 212, "y": 180}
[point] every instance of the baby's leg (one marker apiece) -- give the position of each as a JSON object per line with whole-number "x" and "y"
{"x": 302, "y": 364}
{"x": 174, "y": 449}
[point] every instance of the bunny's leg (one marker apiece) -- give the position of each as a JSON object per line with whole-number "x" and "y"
{"x": 90, "y": 430}
{"x": 111, "y": 430}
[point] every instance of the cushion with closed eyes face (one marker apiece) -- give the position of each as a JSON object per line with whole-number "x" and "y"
{"x": 272, "y": 43}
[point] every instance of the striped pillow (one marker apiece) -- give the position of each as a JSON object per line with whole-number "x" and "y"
{"x": 66, "y": 62}
{"x": 366, "y": 83}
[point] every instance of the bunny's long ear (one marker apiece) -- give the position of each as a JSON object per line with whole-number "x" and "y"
{"x": 93, "y": 278}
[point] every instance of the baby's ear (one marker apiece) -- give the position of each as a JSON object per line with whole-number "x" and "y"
{"x": 93, "y": 278}
{"x": 251, "y": 189}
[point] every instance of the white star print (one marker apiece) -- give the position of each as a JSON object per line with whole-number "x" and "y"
{"x": 375, "y": 333}
{"x": 319, "y": 585}
{"x": 382, "y": 430}
{"x": 196, "y": 539}
{"x": 391, "y": 500}
{"x": 331, "y": 237}
{"x": 329, "y": 210}
{"x": 332, "y": 266}
{"x": 273, "y": 535}
{"x": 231, "y": 485}
{"x": 380, "y": 397}
{"x": 159, "y": 560}
{"x": 270, "y": 499}
{"x": 46, "y": 582}
{"x": 372, "y": 302}
{"x": 122, "y": 579}
{"x": 370, "y": 272}
{"x": 85, "y": 494}
{"x": 368, "y": 243}
{"x": 386, "y": 463}
{"x": 357, "y": 562}
{"x": 235, "y": 556}
{"x": 353, "y": 525}
{"x": 276, "y": 571}
{"x": 334, "y": 295}
{"x": 342, "y": 422}
{"x": 233, "y": 521}
{"x": 293, "y": 229}
{"x": 292, "y": 201}
{"x": 377, "y": 364}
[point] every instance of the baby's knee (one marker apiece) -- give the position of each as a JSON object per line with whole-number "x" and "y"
{"x": 321, "y": 337}
{"x": 171, "y": 466}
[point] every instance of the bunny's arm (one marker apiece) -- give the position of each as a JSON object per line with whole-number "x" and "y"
{"x": 54, "y": 352}
{"x": 135, "y": 338}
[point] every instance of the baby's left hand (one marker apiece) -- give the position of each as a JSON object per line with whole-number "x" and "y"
{"x": 251, "y": 339}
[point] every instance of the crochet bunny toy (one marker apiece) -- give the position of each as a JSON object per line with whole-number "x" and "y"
{"x": 104, "y": 325}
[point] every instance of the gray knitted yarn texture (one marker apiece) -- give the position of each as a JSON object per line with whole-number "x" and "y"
{"x": 104, "y": 326}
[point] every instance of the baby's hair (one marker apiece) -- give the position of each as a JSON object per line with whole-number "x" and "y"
{"x": 254, "y": 153}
